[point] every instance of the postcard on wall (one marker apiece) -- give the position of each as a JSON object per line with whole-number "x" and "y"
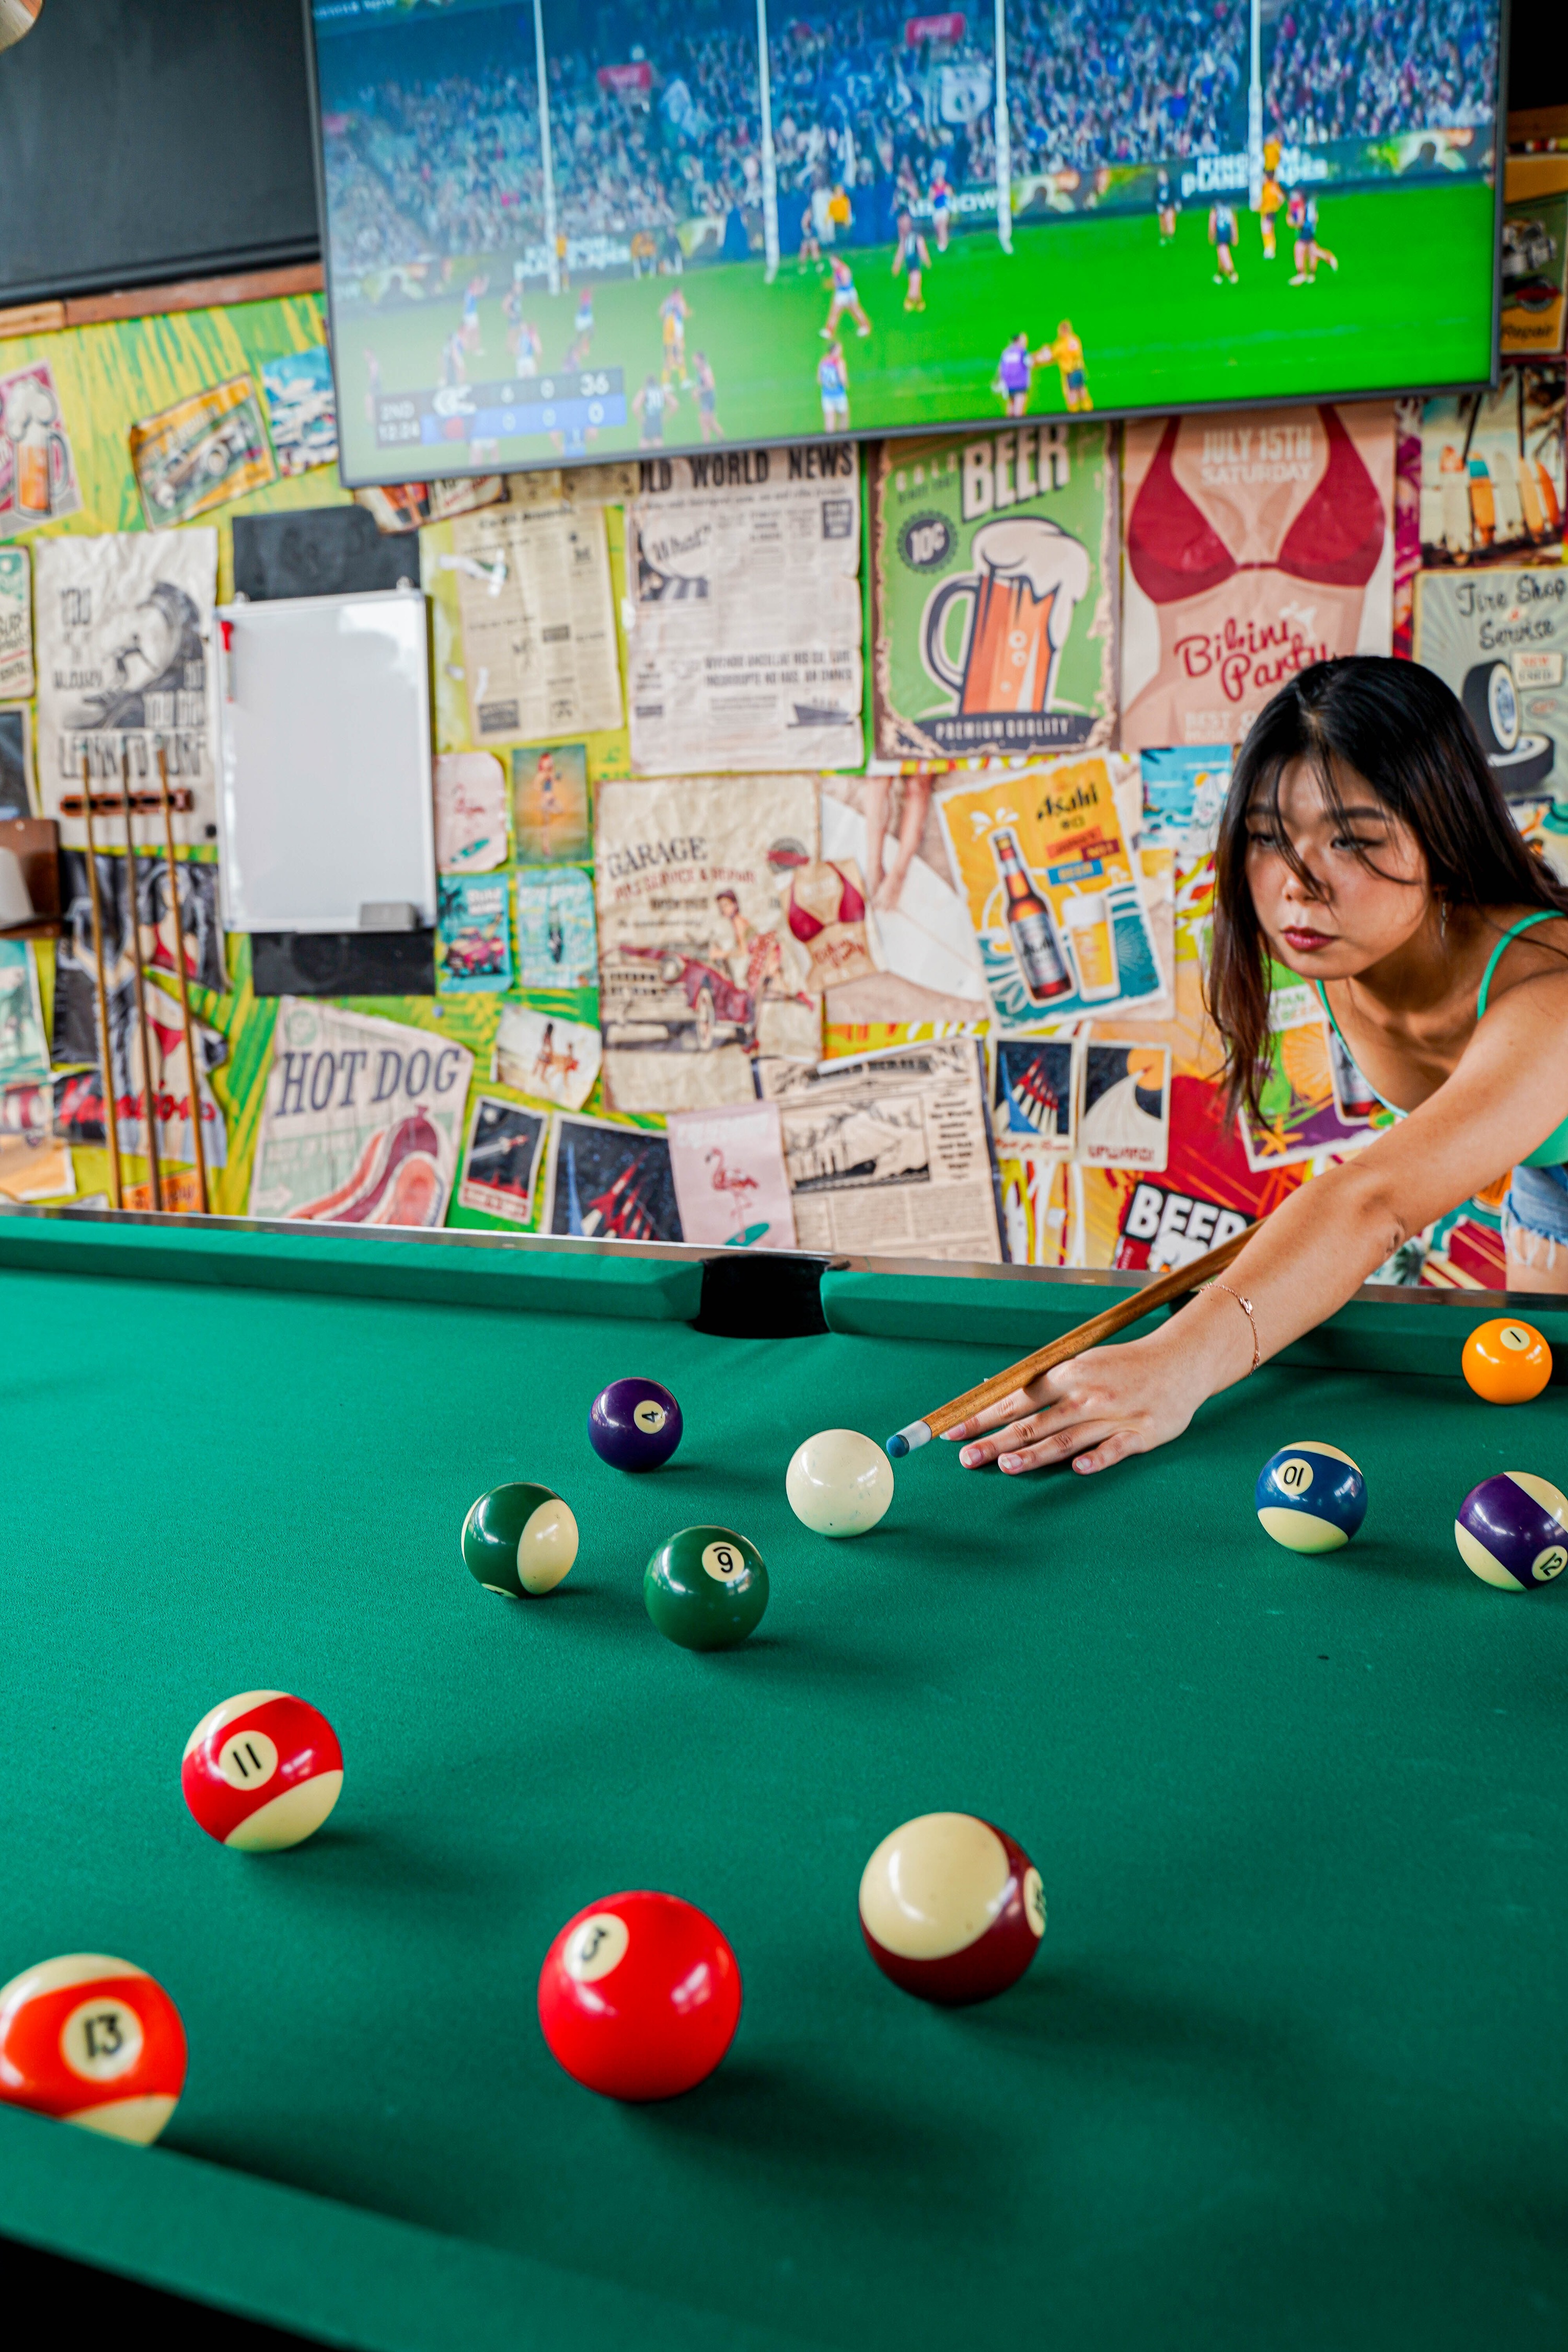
{"x": 1034, "y": 1094}
{"x": 501, "y": 1160}
{"x": 38, "y": 480}
{"x": 1256, "y": 543}
{"x": 539, "y": 1054}
{"x": 699, "y": 968}
{"x": 551, "y": 809}
{"x": 1500, "y": 640}
{"x": 16, "y": 623}
{"x": 609, "y": 1183}
{"x": 889, "y": 1151}
{"x": 204, "y": 451}
{"x": 1534, "y": 256}
{"x": 473, "y": 934}
{"x": 743, "y": 649}
{"x": 1313, "y": 1098}
{"x": 729, "y": 1176}
{"x": 124, "y": 630}
{"x": 556, "y": 941}
{"x": 15, "y": 762}
{"x": 888, "y": 827}
{"x": 994, "y": 592}
{"x": 1124, "y": 1121}
{"x": 470, "y": 812}
{"x": 1492, "y": 486}
{"x": 34, "y": 1159}
{"x": 24, "y": 1047}
{"x": 402, "y": 506}
{"x": 363, "y": 1119}
{"x": 1055, "y": 895}
{"x": 301, "y": 409}
{"x": 538, "y": 627}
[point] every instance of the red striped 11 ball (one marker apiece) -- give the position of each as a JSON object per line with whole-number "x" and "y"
{"x": 951, "y": 1909}
{"x": 262, "y": 1771}
{"x": 639, "y": 1996}
{"x": 92, "y": 2040}
{"x": 1512, "y": 1531}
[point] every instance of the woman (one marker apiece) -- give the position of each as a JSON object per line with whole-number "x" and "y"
{"x": 1365, "y": 846}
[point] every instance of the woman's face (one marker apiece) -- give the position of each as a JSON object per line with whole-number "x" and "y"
{"x": 1344, "y": 916}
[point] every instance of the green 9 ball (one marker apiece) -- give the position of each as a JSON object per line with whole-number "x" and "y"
{"x": 706, "y": 1588}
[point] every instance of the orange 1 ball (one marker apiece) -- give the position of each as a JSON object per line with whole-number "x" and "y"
{"x": 1507, "y": 1362}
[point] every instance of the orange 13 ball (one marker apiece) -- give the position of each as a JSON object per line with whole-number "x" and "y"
{"x": 1507, "y": 1362}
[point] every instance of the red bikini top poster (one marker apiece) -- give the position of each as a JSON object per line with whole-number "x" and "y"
{"x": 1256, "y": 543}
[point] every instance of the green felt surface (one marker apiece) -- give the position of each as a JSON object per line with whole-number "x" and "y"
{"x": 1289, "y": 2071}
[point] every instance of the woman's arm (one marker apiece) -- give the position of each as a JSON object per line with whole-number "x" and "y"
{"x": 1509, "y": 1089}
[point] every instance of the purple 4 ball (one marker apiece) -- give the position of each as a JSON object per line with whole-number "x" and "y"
{"x": 633, "y": 1425}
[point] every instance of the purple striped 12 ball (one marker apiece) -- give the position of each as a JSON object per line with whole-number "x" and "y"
{"x": 1512, "y": 1531}
{"x": 633, "y": 1425}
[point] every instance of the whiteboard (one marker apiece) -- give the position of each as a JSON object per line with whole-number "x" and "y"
{"x": 325, "y": 820}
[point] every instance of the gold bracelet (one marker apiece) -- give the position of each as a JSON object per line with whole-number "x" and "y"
{"x": 1246, "y": 1307}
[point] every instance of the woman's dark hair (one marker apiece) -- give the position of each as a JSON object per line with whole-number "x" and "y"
{"x": 1398, "y": 726}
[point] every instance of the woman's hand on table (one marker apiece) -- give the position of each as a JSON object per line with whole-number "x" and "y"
{"x": 1104, "y": 1404}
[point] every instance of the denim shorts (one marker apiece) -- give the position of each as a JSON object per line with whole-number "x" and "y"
{"x": 1536, "y": 1212}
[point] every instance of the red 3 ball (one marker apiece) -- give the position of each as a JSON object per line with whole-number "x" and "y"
{"x": 951, "y": 1909}
{"x": 262, "y": 1771}
{"x": 639, "y": 1996}
{"x": 92, "y": 2040}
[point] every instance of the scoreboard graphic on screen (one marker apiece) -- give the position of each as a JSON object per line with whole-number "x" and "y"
{"x": 448, "y": 422}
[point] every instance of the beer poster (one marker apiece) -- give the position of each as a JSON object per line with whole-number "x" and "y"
{"x": 992, "y": 586}
{"x": 38, "y": 481}
{"x": 1054, "y": 893}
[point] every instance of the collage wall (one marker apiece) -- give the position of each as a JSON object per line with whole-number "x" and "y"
{"x": 824, "y": 835}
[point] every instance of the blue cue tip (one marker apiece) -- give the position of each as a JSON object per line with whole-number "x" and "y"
{"x": 897, "y": 1446}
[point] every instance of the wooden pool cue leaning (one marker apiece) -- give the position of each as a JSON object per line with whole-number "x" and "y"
{"x": 111, "y": 1118}
{"x": 1177, "y": 1284}
{"x": 196, "y": 1092}
{"x": 148, "y": 1104}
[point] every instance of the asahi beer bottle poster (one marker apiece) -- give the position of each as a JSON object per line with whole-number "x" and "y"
{"x": 1500, "y": 640}
{"x": 1053, "y": 891}
{"x": 993, "y": 571}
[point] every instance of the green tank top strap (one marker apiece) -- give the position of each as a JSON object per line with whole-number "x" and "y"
{"x": 1547, "y": 915}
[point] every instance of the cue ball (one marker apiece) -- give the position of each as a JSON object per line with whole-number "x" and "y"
{"x": 633, "y": 1425}
{"x": 92, "y": 2040}
{"x": 1512, "y": 1531}
{"x": 839, "y": 1483}
{"x": 262, "y": 1771}
{"x": 1507, "y": 1362}
{"x": 639, "y": 1996}
{"x": 1311, "y": 1497}
{"x": 706, "y": 1588}
{"x": 520, "y": 1539}
{"x": 951, "y": 1909}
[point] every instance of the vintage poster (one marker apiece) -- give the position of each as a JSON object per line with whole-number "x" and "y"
{"x": 1036, "y": 1224}
{"x": 743, "y": 650}
{"x": 993, "y": 594}
{"x": 609, "y": 1183}
{"x": 301, "y": 409}
{"x": 731, "y": 1181}
{"x": 538, "y": 628}
{"x": 699, "y": 968}
{"x": 206, "y": 450}
{"x": 1256, "y": 543}
{"x": 124, "y": 647}
{"x": 1406, "y": 522}
{"x": 930, "y": 966}
{"x": 16, "y": 623}
{"x": 1055, "y": 895}
{"x": 39, "y": 481}
{"x": 16, "y": 800}
{"x": 24, "y": 1047}
{"x": 470, "y": 812}
{"x": 1492, "y": 487}
{"x": 829, "y": 919}
{"x": 1124, "y": 1121}
{"x": 1183, "y": 792}
{"x": 888, "y": 1152}
{"x": 1500, "y": 640}
{"x": 539, "y": 1054}
{"x": 473, "y": 934}
{"x": 1034, "y": 1095}
{"x": 501, "y": 1160}
{"x": 35, "y": 1160}
{"x": 362, "y": 1122}
{"x": 1534, "y": 256}
{"x": 557, "y": 944}
{"x": 552, "y": 812}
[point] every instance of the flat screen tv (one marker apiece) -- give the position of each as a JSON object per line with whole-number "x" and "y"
{"x": 571, "y": 230}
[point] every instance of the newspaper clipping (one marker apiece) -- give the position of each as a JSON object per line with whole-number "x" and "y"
{"x": 363, "y": 1121}
{"x": 539, "y": 630}
{"x": 890, "y": 1152}
{"x": 124, "y": 630}
{"x": 699, "y": 968}
{"x": 744, "y": 651}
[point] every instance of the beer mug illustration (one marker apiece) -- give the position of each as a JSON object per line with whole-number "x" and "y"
{"x": 1029, "y": 578}
{"x": 42, "y": 455}
{"x": 1086, "y": 919}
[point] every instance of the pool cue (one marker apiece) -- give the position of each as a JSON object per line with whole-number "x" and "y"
{"x": 1076, "y": 1342}
{"x": 111, "y": 1118}
{"x": 148, "y": 1105}
{"x": 185, "y": 990}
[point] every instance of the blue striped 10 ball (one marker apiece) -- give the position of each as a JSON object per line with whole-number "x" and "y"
{"x": 1310, "y": 1497}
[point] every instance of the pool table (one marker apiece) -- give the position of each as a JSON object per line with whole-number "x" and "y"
{"x": 1289, "y": 2070}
